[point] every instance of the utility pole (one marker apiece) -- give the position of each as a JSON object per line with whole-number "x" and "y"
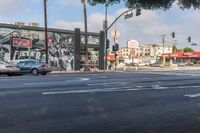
{"x": 106, "y": 33}
{"x": 175, "y": 43}
{"x": 163, "y": 42}
{"x": 86, "y": 39}
{"x": 46, "y": 35}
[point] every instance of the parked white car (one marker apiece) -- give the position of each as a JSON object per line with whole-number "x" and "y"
{"x": 143, "y": 64}
{"x": 9, "y": 69}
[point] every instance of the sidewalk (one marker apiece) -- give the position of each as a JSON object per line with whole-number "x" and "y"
{"x": 188, "y": 68}
{"x": 75, "y": 72}
{"x": 131, "y": 69}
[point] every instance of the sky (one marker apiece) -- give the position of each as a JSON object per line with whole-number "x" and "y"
{"x": 146, "y": 28}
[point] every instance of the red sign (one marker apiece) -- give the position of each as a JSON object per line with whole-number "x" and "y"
{"x": 111, "y": 57}
{"x": 183, "y": 55}
{"x": 133, "y": 44}
{"x": 22, "y": 43}
{"x": 51, "y": 42}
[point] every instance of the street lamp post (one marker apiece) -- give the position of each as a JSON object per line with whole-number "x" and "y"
{"x": 46, "y": 35}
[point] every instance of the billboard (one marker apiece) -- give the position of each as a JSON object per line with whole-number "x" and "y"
{"x": 133, "y": 44}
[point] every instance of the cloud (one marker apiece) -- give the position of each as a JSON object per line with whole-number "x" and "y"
{"x": 36, "y": 1}
{"x": 11, "y": 7}
{"x": 68, "y": 2}
{"x": 135, "y": 28}
{"x": 146, "y": 28}
{"x": 95, "y": 23}
{"x": 191, "y": 17}
{"x": 67, "y": 25}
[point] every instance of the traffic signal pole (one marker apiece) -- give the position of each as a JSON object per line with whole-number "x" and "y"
{"x": 115, "y": 60}
{"x": 163, "y": 41}
{"x": 138, "y": 12}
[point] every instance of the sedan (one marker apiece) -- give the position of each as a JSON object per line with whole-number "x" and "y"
{"x": 35, "y": 67}
{"x": 8, "y": 68}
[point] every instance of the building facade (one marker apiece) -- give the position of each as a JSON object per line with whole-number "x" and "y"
{"x": 153, "y": 52}
{"x": 144, "y": 54}
{"x": 65, "y": 47}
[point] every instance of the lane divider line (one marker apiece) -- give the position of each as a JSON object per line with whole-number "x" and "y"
{"x": 88, "y": 91}
{"x": 192, "y": 95}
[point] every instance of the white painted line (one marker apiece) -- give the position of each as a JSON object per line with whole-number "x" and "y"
{"x": 55, "y": 82}
{"x": 119, "y": 89}
{"x": 102, "y": 77}
{"x": 192, "y": 95}
{"x": 88, "y": 91}
{"x": 43, "y": 83}
{"x": 181, "y": 87}
{"x": 109, "y": 83}
{"x": 84, "y": 79}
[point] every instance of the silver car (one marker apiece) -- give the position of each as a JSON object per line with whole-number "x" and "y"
{"x": 35, "y": 67}
{"x": 8, "y": 68}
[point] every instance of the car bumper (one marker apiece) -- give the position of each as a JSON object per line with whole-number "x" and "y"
{"x": 45, "y": 70}
{"x": 10, "y": 71}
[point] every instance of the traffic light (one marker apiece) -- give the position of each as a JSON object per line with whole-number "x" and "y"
{"x": 113, "y": 48}
{"x": 173, "y": 34}
{"x": 189, "y": 39}
{"x": 116, "y": 47}
{"x": 107, "y": 44}
{"x": 138, "y": 12}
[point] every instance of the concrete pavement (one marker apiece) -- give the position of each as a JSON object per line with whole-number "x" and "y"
{"x": 122, "y": 102}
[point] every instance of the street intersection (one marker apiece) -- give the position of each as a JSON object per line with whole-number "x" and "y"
{"x": 110, "y": 102}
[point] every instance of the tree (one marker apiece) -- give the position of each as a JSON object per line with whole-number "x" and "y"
{"x": 174, "y": 49}
{"x": 188, "y": 49}
{"x": 151, "y": 4}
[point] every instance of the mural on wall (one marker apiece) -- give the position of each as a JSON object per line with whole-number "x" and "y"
{"x": 16, "y": 45}
{"x": 19, "y": 44}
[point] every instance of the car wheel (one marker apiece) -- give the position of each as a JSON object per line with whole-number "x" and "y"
{"x": 35, "y": 72}
{"x": 44, "y": 73}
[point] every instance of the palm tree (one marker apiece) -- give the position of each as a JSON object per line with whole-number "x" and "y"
{"x": 86, "y": 39}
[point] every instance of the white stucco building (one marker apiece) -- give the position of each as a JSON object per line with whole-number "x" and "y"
{"x": 144, "y": 54}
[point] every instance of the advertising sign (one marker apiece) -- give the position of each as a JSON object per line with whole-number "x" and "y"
{"x": 51, "y": 42}
{"x": 133, "y": 44}
{"x": 22, "y": 43}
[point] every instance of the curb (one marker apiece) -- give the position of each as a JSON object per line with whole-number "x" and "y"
{"x": 73, "y": 73}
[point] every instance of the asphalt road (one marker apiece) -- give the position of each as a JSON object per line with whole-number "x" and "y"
{"x": 152, "y": 102}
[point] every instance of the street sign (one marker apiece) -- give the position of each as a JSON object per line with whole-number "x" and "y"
{"x": 115, "y": 34}
{"x": 194, "y": 44}
{"x": 127, "y": 16}
{"x": 133, "y": 44}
